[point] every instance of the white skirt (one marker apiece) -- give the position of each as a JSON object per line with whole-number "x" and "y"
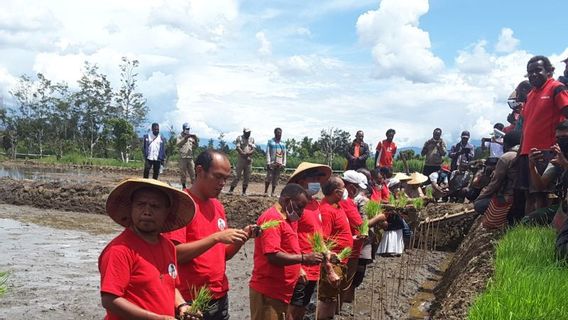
{"x": 392, "y": 242}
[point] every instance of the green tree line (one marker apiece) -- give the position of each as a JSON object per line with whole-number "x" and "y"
{"x": 95, "y": 120}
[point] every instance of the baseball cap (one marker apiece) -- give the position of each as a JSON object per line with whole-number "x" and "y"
{"x": 355, "y": 177}
{"x": 465, "y": 134}
{"x": 246, "y": 129}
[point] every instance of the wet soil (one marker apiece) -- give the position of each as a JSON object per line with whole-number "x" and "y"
{"x": 52, "y": 250}
{"x": 468, "y": 274}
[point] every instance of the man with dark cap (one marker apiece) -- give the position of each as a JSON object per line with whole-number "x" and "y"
{"x": 546, "y": 106}
{"x": 245, "y": 148}
{"x": 185, "y": 143}
{"x": 463, "y": 151}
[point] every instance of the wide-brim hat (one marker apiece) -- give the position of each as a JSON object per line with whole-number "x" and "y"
{"x": 306, "y": 169}
{"x": 400, "y": 176}
{"x": 417, "y": 178}
{"x": 119, "y": 203}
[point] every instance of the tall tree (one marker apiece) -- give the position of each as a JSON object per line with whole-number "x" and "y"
{"x": 123, "y": 137}
{"x": 130, "y": 104}
{"x": 94, "y": 103}
{"x": 222, "y": 145}
{"x": 333, "y": 141}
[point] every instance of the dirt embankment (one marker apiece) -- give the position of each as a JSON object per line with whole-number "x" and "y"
{"x": 445, "y": 234}
{"x": 467, "y": 275}
{"x": 90, "y": 197}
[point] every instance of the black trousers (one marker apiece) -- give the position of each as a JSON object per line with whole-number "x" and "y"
{"x": 156, "y": 168}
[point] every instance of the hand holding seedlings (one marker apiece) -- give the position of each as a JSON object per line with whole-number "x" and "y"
{"x": 232, "y": 236}
{"x": 252, "y": 230}
{"x": 312, "y": 258}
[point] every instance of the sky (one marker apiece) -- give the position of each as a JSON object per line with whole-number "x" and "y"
{"x": 304, "y": 66}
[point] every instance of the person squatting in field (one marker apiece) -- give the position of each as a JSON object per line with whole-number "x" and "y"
{"x": 139, "y": 267}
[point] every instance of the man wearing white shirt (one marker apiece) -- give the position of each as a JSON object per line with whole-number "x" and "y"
{"x": 154, "y": 151}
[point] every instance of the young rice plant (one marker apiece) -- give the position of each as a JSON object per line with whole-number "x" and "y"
{"x": 528, "y": 283}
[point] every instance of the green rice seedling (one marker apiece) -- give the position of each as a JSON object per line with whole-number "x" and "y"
{"x": 364, "y": 227}
{"x": 4, "y": 282}
{"x": 418, "y": 203}
{"x": 429, "y": 192}
{"x": 270, "y": 224}
{"x": 201, "y": 302}
{"x": 528, "y": 282}
{"x": 344, "y": 254}
{"x": 318, "y": 243}
{"x": 392, "y": 199}
{"x": 372, "y": 209}
{"x": 402, "y": 199}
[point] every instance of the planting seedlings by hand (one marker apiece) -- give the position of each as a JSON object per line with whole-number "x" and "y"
{"x": 312, "y": 258}
{"x": 199, "y": 305}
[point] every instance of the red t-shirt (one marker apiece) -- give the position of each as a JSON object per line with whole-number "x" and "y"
{"x": 309, "y": 223}
{"x": 208, "y": 269}
{"x": 355, "y": 220}
{"x": 380, "y": 194}
{"x": 140, "y": 272}
{"x": 387, "y": 150}
{"x": 276, "y": 282}
{"x": 541, "y": 114}
{"x": 335, "y": 226}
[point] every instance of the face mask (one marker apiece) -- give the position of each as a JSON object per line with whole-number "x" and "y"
{"x": 292, "y": 214}
{"x": 563, "y": 144}
{"x": 345, "y": 194}
{"x": 313, "y": 188}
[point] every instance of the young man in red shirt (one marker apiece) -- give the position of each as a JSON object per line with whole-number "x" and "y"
{"x": 139, "y": 268}
{"x": 277, "y": 256}
{"x": 385, "y": 151}
{"x": 545, "y": 108}
{"x": 310, "y": 176}
{"x": 205, "y": 244}
{"x": 335, "y": 227}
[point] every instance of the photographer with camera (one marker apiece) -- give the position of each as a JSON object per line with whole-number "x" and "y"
{"x": 462, "y": 151}
{"x": 495, "y": 143}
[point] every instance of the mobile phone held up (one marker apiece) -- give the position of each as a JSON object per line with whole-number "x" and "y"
{"x": 547, "y": 154}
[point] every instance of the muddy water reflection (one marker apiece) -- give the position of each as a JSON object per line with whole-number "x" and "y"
{"x": 45, "y": 174}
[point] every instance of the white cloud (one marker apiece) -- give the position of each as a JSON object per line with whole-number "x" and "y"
{"x": 400, "y": 47}
{"x": 475, "y": 60}
{"x": 264, "y": 46}
{"x": 507, "y": 42}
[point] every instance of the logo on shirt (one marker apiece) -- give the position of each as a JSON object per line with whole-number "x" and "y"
{"x": 172, "y": 270}
{"x": 221, "y": 224}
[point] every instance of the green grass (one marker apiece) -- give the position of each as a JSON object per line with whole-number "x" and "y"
{"x": 528, "y": 283}
{"x": 3, "y": 282}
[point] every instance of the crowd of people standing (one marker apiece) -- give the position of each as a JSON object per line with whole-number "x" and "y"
{"x": 175, "y": 241}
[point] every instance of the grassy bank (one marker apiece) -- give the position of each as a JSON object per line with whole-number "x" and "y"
{"x": 528, "y": 283}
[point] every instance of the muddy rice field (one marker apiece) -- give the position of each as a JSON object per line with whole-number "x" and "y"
{"x": 53, "y": 228}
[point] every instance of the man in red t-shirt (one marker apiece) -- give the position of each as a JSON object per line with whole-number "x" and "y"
{"x": 205, "y": 244}
{"x": 310, "y": 176}
{"x": 545, "y": 108}
{"x": 385, "y": 151}
{"x": 277, "y": 256}
{"x": 335, "y": 227}
{"x": 139, "y": 268}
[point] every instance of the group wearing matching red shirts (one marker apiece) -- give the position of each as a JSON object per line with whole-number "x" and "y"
{"x": 153, "y": 278}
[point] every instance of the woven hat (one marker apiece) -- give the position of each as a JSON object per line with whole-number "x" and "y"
{"x": 355, "y": 177}
{"x": 400, "y": 176}
{"x": 119, "y": 203}
{"x": 417, "y": 178}
{"x": 308, "y": 169}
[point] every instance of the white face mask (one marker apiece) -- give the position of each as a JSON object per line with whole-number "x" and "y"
{"x": 313, "y": 188}
{"x": 345, "y": 194}
{"x": 292, "y": 214}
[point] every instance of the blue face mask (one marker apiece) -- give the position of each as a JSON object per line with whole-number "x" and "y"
{"x": 313, "y": 188}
